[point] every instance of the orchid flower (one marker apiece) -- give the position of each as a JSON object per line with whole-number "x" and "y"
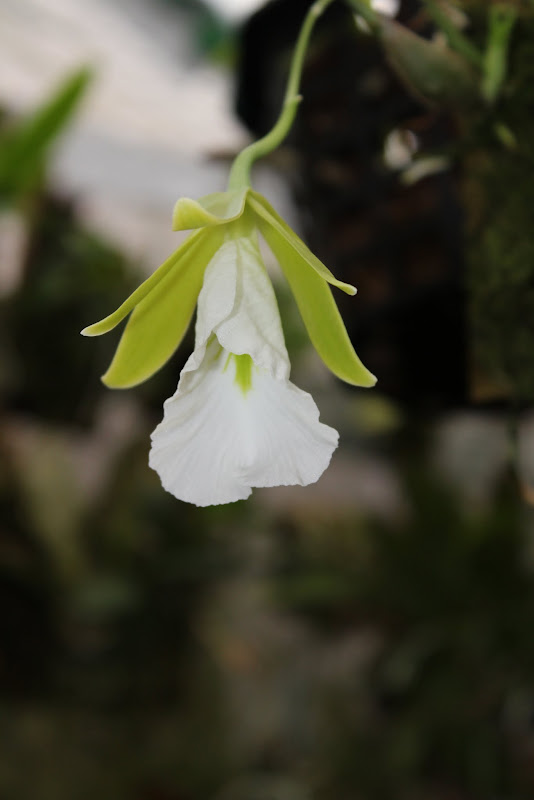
{"x": 235, "y": 421}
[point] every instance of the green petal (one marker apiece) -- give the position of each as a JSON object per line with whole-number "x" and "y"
{"x": 318, "y": 310}
{"x": 213, "y": 209}
{"x": 266, "y": 212}
{"x": 108, "y": 323}
{"x": 159, "y": 322}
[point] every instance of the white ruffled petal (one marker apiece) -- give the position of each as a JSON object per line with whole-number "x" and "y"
{"x": 238, "y": 305}
{"x": 216, "y": 441}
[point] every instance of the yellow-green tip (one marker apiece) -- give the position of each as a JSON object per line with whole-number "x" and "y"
{"x": 88, "y": 332}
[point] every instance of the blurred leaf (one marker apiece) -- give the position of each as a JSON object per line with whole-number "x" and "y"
{"x": 24, "y": 148}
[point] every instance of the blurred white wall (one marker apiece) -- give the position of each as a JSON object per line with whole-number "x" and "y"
{"x": 149, "y": 88}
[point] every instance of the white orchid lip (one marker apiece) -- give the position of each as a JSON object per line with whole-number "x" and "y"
{"x": 219, "y": 439}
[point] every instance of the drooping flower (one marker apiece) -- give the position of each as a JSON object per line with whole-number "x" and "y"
{"x": 235, "y": 421}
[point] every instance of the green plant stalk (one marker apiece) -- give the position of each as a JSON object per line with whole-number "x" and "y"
{"x": 240, "y": 172}
{"x": 501, "y": 24}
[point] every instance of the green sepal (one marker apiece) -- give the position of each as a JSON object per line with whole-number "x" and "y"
{"x": 269, "y": 218}
{"x": 318, "y": 310}
{"x": 112, "y": 320}
{"x": 213, "y": 209}
{"x": 159, "y": 321}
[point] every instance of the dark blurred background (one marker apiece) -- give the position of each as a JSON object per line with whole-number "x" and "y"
{"x": 366, "y": 638}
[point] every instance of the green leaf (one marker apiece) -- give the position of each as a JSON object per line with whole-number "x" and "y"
{"x": 502, "y": 19}
{"x": 213, "y": 209}
{"x": 158, "y": 323}
{"x": 266, "y": 212}
{"x": 318, "y": 310}
{"x": 23, "y": 151}
{"x": 112, "y": 320}
{"x": 435, "y": 74}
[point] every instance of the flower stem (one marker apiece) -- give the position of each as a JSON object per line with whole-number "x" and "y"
{"x": 240, "y": 172}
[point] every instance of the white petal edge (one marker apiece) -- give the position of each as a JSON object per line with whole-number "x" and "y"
{"x": 216, "y": 442}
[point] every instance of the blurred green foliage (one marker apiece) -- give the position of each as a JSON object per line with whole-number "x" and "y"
{"x": 498, "y": 197}
{"x": 24, "y": 145}
{"x": 443, "y": 705}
